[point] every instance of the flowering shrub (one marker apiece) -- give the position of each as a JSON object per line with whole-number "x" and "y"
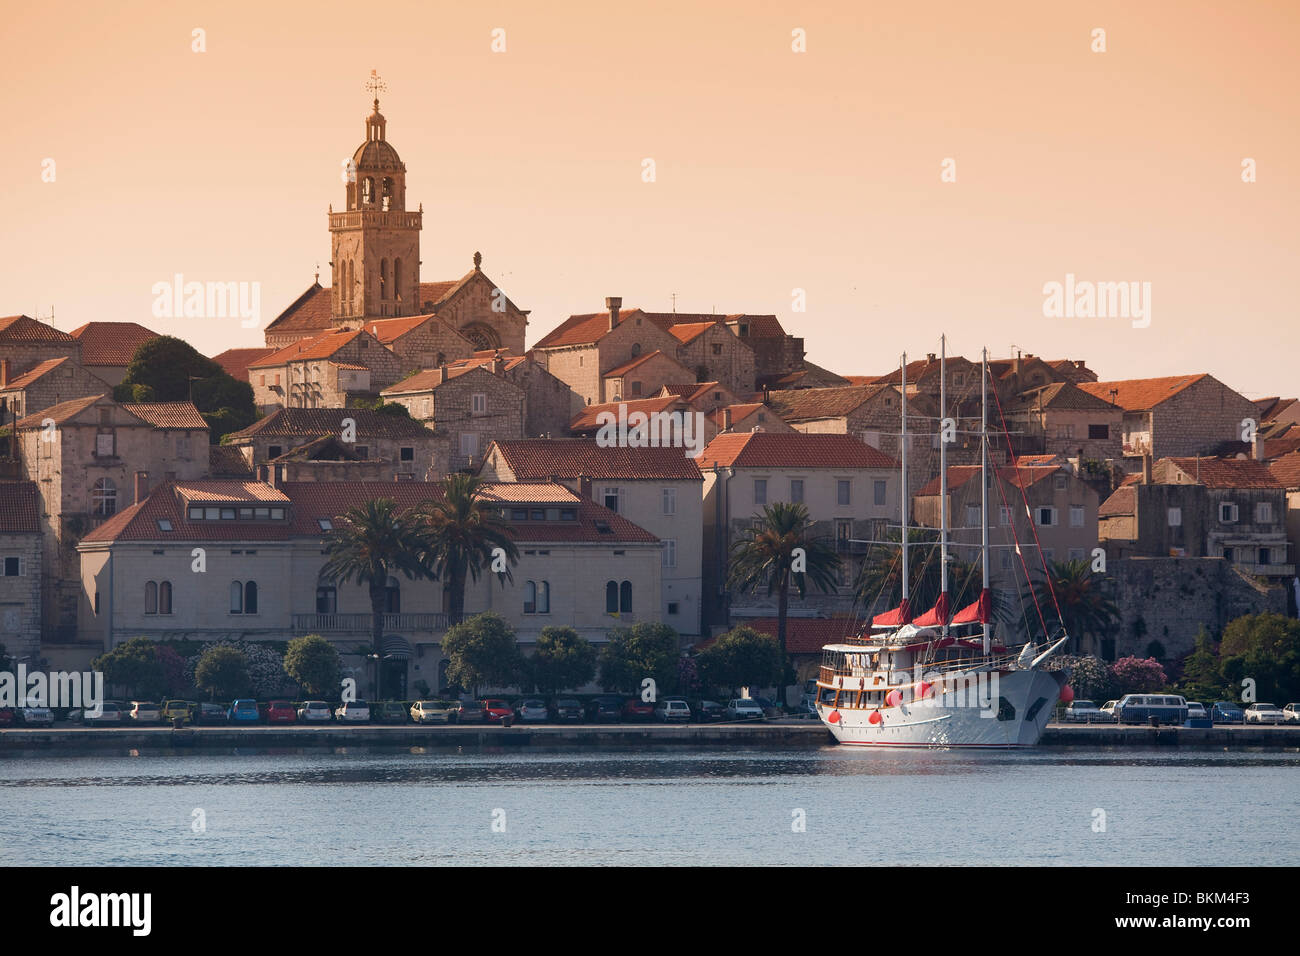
{"x": 1139, "y": 675}
{"x": 265, "y": 668}
{"x": 1090, "y": 677}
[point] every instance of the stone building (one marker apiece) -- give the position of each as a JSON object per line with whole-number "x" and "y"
{"x": 324, "y": 372}
{"x": 421, "y": 341}
{"x": 776, "y": 352}
{"x": 633, "y": 379}
{"x": 1063, "y": 419}
{"x": 49, "y": 383}
{"x": 90, "y": 458}
{"x": 549, "y": 404}
{"x": 20, "y": 569}
{"x": 702, "y": 396}
{"x": 108, "y": 347}
{"x": 744, "y": 417}
{"x": 468, "y": 407}
{"x": 1177, "y": 415}
{"x": 26, "y": 343}
{"x": 710, "y": 348}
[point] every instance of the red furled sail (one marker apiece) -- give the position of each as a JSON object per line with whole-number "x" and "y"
{"x": 937, "y": 615}
{"x": 895, "y": 618}
{"x": 978, "y": 613}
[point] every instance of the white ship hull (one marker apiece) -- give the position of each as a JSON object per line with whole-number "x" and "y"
{"x": 1031, "y": 695}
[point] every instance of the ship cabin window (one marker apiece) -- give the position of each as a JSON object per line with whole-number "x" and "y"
{"x": 828, "y": 695}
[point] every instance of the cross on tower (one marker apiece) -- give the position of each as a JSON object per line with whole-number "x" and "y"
{"x": 375, "y": 85}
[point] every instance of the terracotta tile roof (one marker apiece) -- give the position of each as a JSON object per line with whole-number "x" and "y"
{"x": 20, "y": 508}
{"x": 316, "y": 347}
{"x": 690, "y": 392}
{"x": 1216, "y": 472}
{"x": 539, "y": 458}
{"x": 686, "y": 332}
{"x": 582, "y": 329}
{"x": 1287, "y": 470}
{"x": 1271, "y": 408}
{"x": 22, "y": 328}
{"x": 808, "y": 403}
{"x": 428, "y": 380}
{"x": 1277, "y": 447}
{"x": 225, "y": 461}
{"x": 958, "y": 475}
{"x": 309, "y": 312}
{"x": 629, "y": 366}
{"x": 528, "y": 492}
{"x": 30, "y": 376}
{"x": 921, "y": 368}
{"x": 229, "y": 491}
{"x": 389, "y": 330}
{"x": 586, "y": 420}
{"x": 1061, "y": 396}
{"x": 760, "y": 326}
{"x": 168, "y": 414}
{"x": 61, "y": 412}
{"x": 141, "y": 522}
{"x": 310, "y": 423}
{"x": 348, "y": 366}
{"x": 111, "y": 343}
{"x": 861, "y": 379}
{"x": 738, "y": 412}
{"x": 236, "y": 361}
{"x": 433, "y": 294}
{"x": 803, "y": 635}
{"x": 1121, "y": 503}
{"x": 1141, "y": 394}
{"x": 324, "y": 448}
{"x": 1031, "y": 460}
{"x": 770, "y": 450}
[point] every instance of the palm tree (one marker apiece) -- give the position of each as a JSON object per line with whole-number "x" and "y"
{"x": 462, "y": 538}
{"x": 1086, "y": 609}
{"x": 373, "y": 543}
{"x": 765, "y": 557}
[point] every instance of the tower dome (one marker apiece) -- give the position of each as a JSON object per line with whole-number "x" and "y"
{"x": 376, "y": 153}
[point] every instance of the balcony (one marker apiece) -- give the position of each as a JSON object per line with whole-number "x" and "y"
{"x": 361, "y": 623}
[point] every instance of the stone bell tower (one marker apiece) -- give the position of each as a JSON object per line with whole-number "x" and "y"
{"x": 375, "y": 242}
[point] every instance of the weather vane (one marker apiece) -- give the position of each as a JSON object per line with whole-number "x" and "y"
{"x": 376, "y": 85}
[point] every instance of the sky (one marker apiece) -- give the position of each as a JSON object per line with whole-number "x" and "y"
{"x": 918, "y": 169}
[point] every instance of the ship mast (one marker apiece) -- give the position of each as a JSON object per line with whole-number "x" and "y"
{"x": 903, "y": 496}
{"x": 984, "y": 485}
{"x": 943, "y": 477}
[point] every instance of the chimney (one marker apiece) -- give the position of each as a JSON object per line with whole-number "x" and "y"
{"x": 930, "y": 356}
{"x": 495, "y": 365}
{"x": 1257, "y": 448}
{"x": 726, "y": 419}
{"x": 613, "y": 303}
{"x": 1146, "y": 468}
{"x": 584, "y": 486}
{"x": 264, "y": 474}
{"x": 4, "y": 373}
{"x": 141, "y": 484}
{"x": 1015, "y": 365}
{"x": 442, "y": 374}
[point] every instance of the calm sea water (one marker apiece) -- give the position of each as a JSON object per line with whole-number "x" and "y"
{"x": 652, "y": 808}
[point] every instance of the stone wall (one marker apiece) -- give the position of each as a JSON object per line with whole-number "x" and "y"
{"x": 20, "y": 595}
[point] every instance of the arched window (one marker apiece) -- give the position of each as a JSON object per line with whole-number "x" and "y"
{"x": 250, "y": 597}
{"x": 393, "y": 597}
{"x": 397, "y": 279}
{"x": 611, "y": 597}
{"x": 387, "y": 196}
{"x": 543, "y": 597}
{"x": 151, "y": 597}
{"x": 236, "y": 597}
{"x": 104, "y": 497}
{"x": 530, "y": 597}
{"x": 383, "y": 278}
{"x": 165, "y": 597}
{"x": 625, "y": 598}
{"x": 636, "y": 349}
{"x": 368, "y": 190}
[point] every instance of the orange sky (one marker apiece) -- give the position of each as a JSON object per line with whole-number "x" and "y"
{"x": 776, "y": 170}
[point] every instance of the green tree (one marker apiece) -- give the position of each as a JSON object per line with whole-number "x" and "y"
{"x": 634, "y": 653}
{"x": 222, "y": 672}
{"x": 1086, "y": 609}
{"x": 373, "y": 542}
{"x": 134, "y": 394}
{"x": 464, "y": 537}
{"x": 563, "y": 659}
{"x": 481, "y": 650}
{"x": 1202, "y": 679}
{"x": 134, "y": 665}
{"x": 776, "y": 553}
{"x": 742, "y": 657}
{"x": 176, "y": 372}
{"x": 1264, "y": 648}
{"x": 315, "y": 664}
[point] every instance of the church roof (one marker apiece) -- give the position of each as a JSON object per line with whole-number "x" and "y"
{"x": 310, "y": 312}
{"x": 111, "y": 343}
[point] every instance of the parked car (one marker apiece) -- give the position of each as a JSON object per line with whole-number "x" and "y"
{"x": 281, "y": 712}
{"x": 673, "y": 709}
{"x": 7, "y": 717}
{"x": 532, "y": 711}
{"x": 434, "y": 712}
{"x": 710, "y": 711}
{"x": 470, "y": 712}
{"x": 387, "y": 712}
{"x": 744, "y": 708}
{"x": 110, "y": 714}
{"x": 637, "y": 710}
{"x": 353, "y": 712}
{"x": 1197, "y": 715}
{"x": 1086, "y": 712}
{"x": 1109, "y": 708}
{"x": 145, "y": 712}
{"x": 602, "y": 709}
{"x": 1259, "y": 713}
{"x": 243, "y": 711}
{"x": 1141, "y": 708}
{"x": 184, "y": 709}
{"x": 770, "y": 708}
{"x": 496, "y": 709}
{"x": 315, "y": 712}
{"x": 1292, "y": 713}
{"x": 33, "y": 715}
{"x": 568, "y": 710}
{"x": 210, "y": 714}
{"x": 1226, "y": 712}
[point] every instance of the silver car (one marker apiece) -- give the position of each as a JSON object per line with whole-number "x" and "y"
{"x": 744, "y": 708}
{"x": 532, "y": 711}
{"x": 315, "y": 712}
{"x": 145, "y": 712}
{"x": 1264, "y": 714}
{"x": 353, "y": 712}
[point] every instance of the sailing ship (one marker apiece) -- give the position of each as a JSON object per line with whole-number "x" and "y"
{"x": 937, "y": 680}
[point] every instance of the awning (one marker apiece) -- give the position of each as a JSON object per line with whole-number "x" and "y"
{"x": 937, "y": 615}
{"x": 394, "y": 648}
{"x": 977, "y": 613}
{"x": 895, "y": 618}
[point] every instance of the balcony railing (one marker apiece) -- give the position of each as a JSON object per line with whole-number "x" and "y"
{"x": 361, "y": 623}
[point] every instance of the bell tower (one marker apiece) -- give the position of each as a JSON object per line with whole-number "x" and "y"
{"x": 374, "y": 242}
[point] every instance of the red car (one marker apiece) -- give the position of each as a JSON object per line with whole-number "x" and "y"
{"x": 281, "y": 712}
{"x": 637, "y": 709}
{"x": 496, "y": 709}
